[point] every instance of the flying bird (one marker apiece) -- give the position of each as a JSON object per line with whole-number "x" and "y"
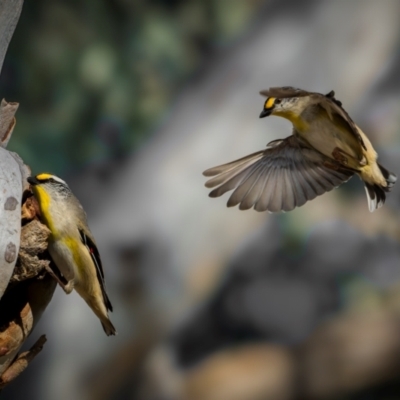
{"x": 325, "y": 149}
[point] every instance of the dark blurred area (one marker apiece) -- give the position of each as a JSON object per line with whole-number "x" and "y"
{"x": 130, "y": 101}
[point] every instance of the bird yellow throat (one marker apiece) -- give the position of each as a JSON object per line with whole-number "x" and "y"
{"x": 298, "y": 122}
{"x": 44, "y": 204}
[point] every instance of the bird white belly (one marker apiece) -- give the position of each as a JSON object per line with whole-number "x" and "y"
{"x": 63, "y": 259}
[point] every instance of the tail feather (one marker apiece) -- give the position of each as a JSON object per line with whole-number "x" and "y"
{"x": 108, "y": 327}
{"x": 390, "y": 177}
{"x": 376, "y": 194}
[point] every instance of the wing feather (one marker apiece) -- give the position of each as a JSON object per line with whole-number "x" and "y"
{"x": 280, "y": 178}
{"x": 254, "y": 193}
{"x": 251, "y": 158}
{"x": 231, "y": 184}
{"x": 334, "y": 108}
{"x": 268, "y": 187}
{"x": 241, "y": 191}
{"x": 320, "y": 183}
{"x": 288, "y": 199}
{"x": 95, "y": 255}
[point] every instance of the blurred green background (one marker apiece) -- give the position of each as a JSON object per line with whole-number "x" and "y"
{"x": 94, "y": 78}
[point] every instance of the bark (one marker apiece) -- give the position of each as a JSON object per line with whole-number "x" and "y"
{"x": 10, "y": 197}
{"x": 25, "y": 287}
{"x": 27, "y": 296}
{"x": 22, "y": 361}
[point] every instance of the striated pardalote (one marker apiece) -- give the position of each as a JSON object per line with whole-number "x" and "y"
{"x": 325, "y": 149}
{"x": 71, "y": 245}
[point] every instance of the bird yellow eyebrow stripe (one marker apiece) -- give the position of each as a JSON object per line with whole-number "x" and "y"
{"x": 269, "y": 103}
{"x": 43, "y": 177}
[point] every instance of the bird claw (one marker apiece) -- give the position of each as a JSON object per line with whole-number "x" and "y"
{"x": 67, "y": 286}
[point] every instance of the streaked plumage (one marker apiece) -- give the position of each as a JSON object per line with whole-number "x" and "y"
{"x": 71, "y": 244}
{"x": 326, "y": 148}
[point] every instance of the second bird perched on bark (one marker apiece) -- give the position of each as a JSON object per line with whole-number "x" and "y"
{"x": 71, "y": 245}
{"x": 325, "y": 149}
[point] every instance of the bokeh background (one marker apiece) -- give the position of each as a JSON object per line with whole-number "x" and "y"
{"x": 129, "y": 101}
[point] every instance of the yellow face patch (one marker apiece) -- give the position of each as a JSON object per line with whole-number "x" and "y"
{"x": 269, "y": 103}
{"x": 44, "y": 200}
{"x": 43, "y": 177}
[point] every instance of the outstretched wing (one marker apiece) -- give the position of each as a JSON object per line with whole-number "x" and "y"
{"x": 94, "y": 253}
{"x": 284, "y": 176}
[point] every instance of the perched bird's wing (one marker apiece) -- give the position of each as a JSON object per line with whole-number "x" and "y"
{"x": 94, "y": 253}
{"x": 280, "y": 178}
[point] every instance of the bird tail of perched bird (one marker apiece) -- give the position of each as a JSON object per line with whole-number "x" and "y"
{"x": 108, "y": 327}
{"x": 376, "y": 193}
{"x": 98, "y": 306}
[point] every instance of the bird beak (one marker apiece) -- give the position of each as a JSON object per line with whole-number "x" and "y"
{"x": 265, "y": 113}
{"x": 32, "y": 180}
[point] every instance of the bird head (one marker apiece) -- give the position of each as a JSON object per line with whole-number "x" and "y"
{"x": 287, "y": 107}
{"x": 50, "y": 184}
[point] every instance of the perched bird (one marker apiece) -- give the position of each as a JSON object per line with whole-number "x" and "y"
{"x": 71, "y": 244}
{"x": 325, "y": 149}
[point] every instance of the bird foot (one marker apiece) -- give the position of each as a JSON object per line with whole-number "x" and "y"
{"x": 67, "y": 286}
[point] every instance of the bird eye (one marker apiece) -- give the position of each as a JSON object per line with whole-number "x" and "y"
{"x": 278, "y": 101}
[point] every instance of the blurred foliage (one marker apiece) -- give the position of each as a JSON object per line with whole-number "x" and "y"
{"x": 94, "y": 78}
